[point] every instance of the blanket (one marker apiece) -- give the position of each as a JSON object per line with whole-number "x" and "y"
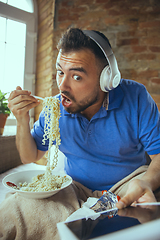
{"x": 36, "y": 219}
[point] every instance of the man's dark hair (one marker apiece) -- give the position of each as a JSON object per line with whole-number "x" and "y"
{"x": 74, "y": 39}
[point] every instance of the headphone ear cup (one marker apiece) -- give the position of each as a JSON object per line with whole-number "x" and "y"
{"x": 105, "y": 79}
{"x": 110, "y": 76}
{"x": 107, "y": 82}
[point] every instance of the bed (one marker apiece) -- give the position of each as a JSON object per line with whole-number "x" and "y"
{"x": 37, "y": 219}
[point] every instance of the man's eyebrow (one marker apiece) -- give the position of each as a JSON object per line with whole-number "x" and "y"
{"x": 79, "y": 69}
{"x": 58, "y": 65}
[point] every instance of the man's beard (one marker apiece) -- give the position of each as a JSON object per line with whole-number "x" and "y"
{"x": 83, "y": 104}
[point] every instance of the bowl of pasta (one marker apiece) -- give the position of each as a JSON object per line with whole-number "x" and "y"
{"x": 36, "y": 184}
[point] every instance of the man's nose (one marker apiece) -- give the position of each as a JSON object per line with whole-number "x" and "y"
{"x": 63, "y": 83}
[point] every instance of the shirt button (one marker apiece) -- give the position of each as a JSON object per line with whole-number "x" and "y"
{"x": 89, "y": 132}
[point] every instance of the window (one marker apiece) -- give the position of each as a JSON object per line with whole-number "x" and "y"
{"x": 18, "y": 50}
{"x": 26, "y": 5}
{"x": 12, "y": 49}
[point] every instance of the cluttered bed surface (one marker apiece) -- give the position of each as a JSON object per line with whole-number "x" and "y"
{"x": 22, "y": 218}
{"x": 25, "y": 218}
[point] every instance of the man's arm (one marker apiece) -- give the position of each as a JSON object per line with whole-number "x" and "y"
{"x": 26, "y": 145}
{"x": 141, "y": 190}
{"x": 152, "y": 175}
{"x": 20, "y": 102}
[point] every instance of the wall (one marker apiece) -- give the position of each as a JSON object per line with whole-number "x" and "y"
{"x": 133, "y": 28}
{"x": 44, "y": 71}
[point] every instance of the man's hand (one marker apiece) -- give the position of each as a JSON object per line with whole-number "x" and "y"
{"x": 138, "y": 191}
{"x": 20, "y": 102}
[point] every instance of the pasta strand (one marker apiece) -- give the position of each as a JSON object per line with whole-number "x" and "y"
{"x": 51, "y": 108}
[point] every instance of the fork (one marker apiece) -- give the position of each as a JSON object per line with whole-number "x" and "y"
{"x": 37, "y": 97}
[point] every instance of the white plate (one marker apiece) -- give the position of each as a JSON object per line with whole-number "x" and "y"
{"x": 26, "y": 176}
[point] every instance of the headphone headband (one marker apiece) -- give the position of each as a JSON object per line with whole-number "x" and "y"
{"x": 110, "y": 77}
{"x": 104, "y": 46}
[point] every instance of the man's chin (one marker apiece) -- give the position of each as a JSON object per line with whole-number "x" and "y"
{"x": 76, "y": 109}
{"x": 71, "y": 110}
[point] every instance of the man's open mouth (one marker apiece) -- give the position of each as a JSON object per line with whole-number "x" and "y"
{"x": 66, "y": 102}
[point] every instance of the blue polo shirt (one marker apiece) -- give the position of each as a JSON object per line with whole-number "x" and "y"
{"x": 102, "y": 151}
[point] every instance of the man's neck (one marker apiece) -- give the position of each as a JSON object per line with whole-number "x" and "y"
{"x": 92, "y": 110}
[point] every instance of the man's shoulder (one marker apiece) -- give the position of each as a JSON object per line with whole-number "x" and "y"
{"x": 129, "y": 82}
{"x": 132, "y": 86}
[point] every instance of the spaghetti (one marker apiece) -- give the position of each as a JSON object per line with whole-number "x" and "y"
{"x": 47, "y": 181}
{"x": 51, "y": 108}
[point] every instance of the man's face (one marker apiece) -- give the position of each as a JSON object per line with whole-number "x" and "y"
{"x": 78, "y": 80}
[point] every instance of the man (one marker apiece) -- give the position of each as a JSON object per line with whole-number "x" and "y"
{"x": 104, "y": 135}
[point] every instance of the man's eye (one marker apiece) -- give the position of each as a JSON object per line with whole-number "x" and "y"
{"x": 59, "y": 72}
{"x": 76, "y": 77}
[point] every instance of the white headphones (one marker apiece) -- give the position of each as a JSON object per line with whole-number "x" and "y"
{"x": 110, "y": 75}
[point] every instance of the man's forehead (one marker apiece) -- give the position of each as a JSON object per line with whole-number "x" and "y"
{"x": 81, "y": 57}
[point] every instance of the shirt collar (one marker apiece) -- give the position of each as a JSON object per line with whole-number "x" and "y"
{"x": 106, "y": 101}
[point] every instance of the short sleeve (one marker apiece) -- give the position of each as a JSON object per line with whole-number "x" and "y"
{"x": 149, "y": 123}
